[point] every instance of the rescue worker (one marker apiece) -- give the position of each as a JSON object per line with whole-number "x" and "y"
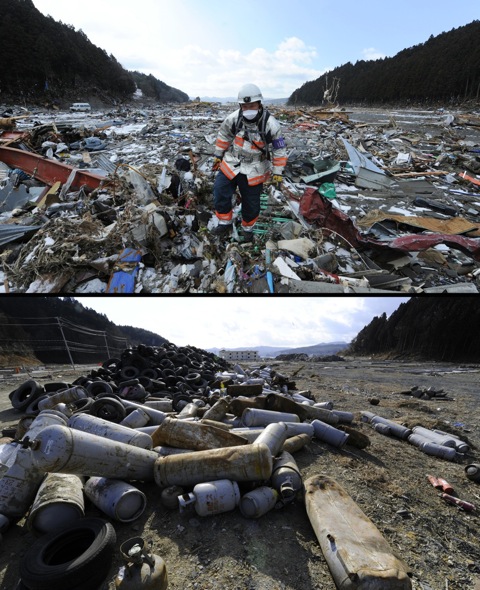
{"x": 249, "y": 151}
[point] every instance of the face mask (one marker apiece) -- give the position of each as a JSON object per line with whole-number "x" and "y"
{"x": 250, "y": 115}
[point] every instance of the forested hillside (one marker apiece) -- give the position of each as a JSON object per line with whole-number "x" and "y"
{"x": 435, "y": 328}
{"x": 48, "y": 328}
{"x": 44, "y": 60}
{"x": 445, "y": 69}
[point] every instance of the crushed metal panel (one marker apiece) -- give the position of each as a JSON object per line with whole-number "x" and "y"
{"x": 12, "y": 197}
{"x": 318, "y": 287}
{"x": 458, "y": 225}
{"x": 322, "y": 174}
{"x": 369, "y": 175}
{"x": 11, "y": 233}
{"x": 416, "y": 243}
{"x": 459, "y": 288}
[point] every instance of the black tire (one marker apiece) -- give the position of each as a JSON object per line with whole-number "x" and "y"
{"x": 166, "y": 364}
{"x": 77, "y": 557}
{"x": 83, "y": 380}
{"x": 209, "y": 377}
{"x": 171, "y": 381}
{"x": 108, "y": 408}
{"x": 149, "y": 373}
{"x": 96, "y": 387}
{"x": 81, "y": 405}
{"x": 33, "y": 408}
{"x": 24, "y": 395}
{"x": 147, "y": 383}
{"x": 129, "y": 372}
{"x": 111, "y": 364}
{"x": 180, "y": 359}
{"x": 179, "y": 401}
{"x": 193, "y": 378}
{"x": 54, "y": 387}
{"x": 133, "y": 392}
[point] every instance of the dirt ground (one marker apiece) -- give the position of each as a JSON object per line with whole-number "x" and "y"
{"x": 388, "y": 481}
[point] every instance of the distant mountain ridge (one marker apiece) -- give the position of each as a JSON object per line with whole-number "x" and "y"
{"x": 91, "y": 334}
{"x": 50, "y": 62}
{"x": 442, "y": 70}
{"x": 323, "y": 349}
{"x": 443, "y": 328}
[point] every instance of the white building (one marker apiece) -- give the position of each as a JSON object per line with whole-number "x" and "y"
{"x": 239, "y": 355}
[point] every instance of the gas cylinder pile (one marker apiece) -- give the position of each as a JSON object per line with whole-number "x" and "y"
{"x": 211, "y": 436}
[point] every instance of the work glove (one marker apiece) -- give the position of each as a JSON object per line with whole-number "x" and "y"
{"x": 216, "y": 164}
{"x": 277, "y": 180}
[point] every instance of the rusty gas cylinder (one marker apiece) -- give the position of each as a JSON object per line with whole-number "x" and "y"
{"x": 193, "y": 435}
{"x": 142, "y": 570}
{"x": 245, "y": 463}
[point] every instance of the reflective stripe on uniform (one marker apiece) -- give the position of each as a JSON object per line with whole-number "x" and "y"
{"x": 226, "y": 218}
{"x": 225, "y": 168}
{"x": 257, "y": 179}
{"x": 280, "y": 162}
{"x": 249, "y": 223}
{"x": 222, "y": 145}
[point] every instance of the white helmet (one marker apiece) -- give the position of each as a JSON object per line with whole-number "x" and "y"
{"x": 249, "y": 93}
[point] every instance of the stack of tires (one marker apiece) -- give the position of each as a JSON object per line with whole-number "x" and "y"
{"x": 145, "y": 372}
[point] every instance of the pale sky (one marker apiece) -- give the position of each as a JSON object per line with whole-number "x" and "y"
{"x": 239, "y": 322}
{"x": 212, "y": 47}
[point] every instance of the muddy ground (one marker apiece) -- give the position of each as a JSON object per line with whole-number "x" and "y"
{"x": 388, "y": 480}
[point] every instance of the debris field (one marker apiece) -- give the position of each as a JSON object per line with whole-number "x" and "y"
{"x": 235, "y": 476}
{"x": 121, "y": 201}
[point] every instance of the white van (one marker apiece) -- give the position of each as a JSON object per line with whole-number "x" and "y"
{"x": 82, "y": 107}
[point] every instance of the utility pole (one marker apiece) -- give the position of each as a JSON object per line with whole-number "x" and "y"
{"x": 66, "y": 343}
{"x": 106, "y": 344}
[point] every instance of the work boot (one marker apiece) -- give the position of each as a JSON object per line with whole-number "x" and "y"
{"x": 247, "y": 236}
{"x": 222, "y": 230}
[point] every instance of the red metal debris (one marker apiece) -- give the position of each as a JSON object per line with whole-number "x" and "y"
{"x": 48, "y": 171}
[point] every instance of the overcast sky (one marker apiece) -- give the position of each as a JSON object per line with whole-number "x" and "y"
{"x": 245, "y": 322}
{"x": 212, "y": 47}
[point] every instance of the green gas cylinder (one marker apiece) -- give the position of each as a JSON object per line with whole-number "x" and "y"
{"x": 142, "y": 569}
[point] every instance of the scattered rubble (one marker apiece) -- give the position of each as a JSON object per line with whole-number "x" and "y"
{"x": 372, "y": 202}
{"x": 213, "y": 438}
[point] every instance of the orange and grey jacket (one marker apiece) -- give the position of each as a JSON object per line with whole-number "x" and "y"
{"x": 246, "y": 149}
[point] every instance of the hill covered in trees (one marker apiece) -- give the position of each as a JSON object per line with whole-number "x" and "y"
{"x": 443, "y": 70}
{"x": 46, "y": 329}
{"x": 49, "y": 62}
{"x": 430, "y": 328}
